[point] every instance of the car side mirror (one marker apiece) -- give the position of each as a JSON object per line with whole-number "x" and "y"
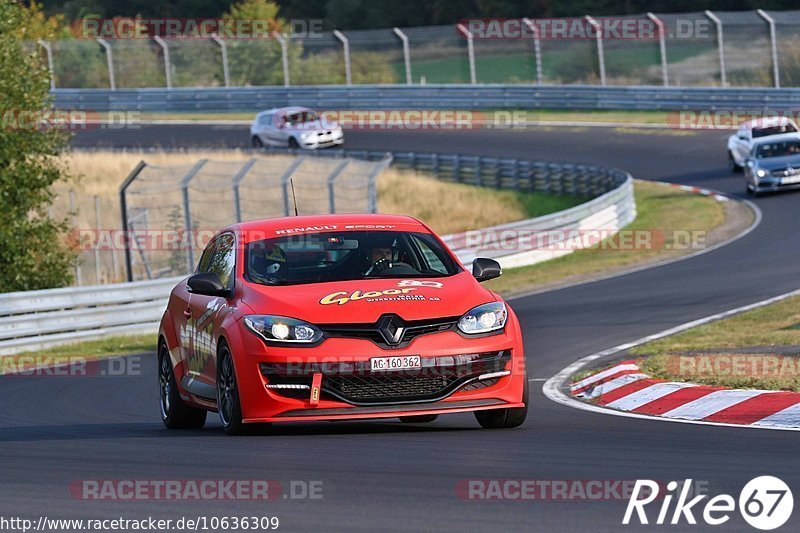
{"x": 743, "y": 136}
{"x": 749, "y": 163}
{"x": 485, "y": 269}
{"x": 207, "y": 284}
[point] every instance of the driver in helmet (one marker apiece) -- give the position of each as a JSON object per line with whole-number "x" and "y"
{"x": 381, "y": 256}
{"x": 269, "y": 265}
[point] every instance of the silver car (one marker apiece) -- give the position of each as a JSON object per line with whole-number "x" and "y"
{"x": 773, "y": 164}
{"x": 294, "y": 127}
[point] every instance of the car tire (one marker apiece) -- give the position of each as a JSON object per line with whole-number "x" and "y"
{"x": 174, "y": 413}
{"x": 293, "y": 144}
{"x": 418, "y": 419}
{"x": 228, "y": 405}
{"x": 733, "y": 166}
{"x": 505, "y": 418}
{"x": 256, "y": 142}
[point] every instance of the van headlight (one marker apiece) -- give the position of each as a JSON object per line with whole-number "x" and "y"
{"x": 484, "y": 318}
{"x": 282, "y": 329}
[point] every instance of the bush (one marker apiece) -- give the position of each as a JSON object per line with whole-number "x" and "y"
{"x": 32, "y": 252}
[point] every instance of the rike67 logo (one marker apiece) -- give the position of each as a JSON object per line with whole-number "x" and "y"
{"x": 765, "y": 503}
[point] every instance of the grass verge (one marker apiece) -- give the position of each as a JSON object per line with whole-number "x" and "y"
{"x": 83, "y": 351}
{"x": 666, "y": 211}
{"x": 759, "y": 349}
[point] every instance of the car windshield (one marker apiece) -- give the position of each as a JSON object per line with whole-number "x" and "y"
{"x": 295, "y": 119}
{"x": 777, "y": 149}
{"x": 345, "y": 256}
{"x": 773, "y": 130}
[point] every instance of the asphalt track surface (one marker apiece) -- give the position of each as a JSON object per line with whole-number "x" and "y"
{"x": 399, "y": 477}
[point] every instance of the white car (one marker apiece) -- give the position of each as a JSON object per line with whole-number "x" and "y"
{"x": 740, "y": 144}
{"x": 294, "y": 127}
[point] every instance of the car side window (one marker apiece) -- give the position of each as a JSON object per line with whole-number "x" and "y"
{"x": 223, "y": 259}
{"x": 205, "y": 259}
{"x": 265, "y": 119}
{"x": 432, "y": 260}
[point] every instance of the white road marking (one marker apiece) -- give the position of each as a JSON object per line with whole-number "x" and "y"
{"x": 614, "y": 384}
{"x": 644, "y": 396}
{"x": 789, "y": 417}
{"x": 711, "y": 403}
{"x": 602, "y": 375}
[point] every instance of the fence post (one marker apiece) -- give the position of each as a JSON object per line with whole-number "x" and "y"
{"x": 96, "y": 247}
{"x": 662, "y": 47}
{"x": 48, "y": 49}
{"x": 773, "y": 45}
{"x": 406, "y": 54}
{"x": 331, "y": 182}
{"x": 470, "y": 51}
{"x": 537, "y": 49}
{"x": 285, "y": 182}
{"x": 372, "y": 190}
{"x": 346, "y": 47}
{"x": 284, "y": 57}
{"x": 167, "y": 62}
{"x": 720, "y": 45}
{"x": 74, "y": 215}
{"x": 110, "y": 62}
{"x": 223, "y": 48}
{"x": 187, "y": 217}
{"x": 237, "y": 179}
{"x": 600, "y": 54}
{"x": 123, "y": 207}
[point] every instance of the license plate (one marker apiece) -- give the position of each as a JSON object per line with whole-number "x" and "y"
{"x": 406, "y": 362}
{"x": 790, "y": 180}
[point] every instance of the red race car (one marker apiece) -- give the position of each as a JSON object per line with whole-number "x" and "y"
{"x": 338, "y": 317}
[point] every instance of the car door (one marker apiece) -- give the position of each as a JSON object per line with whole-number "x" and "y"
{"x": 262, "y": 126}
{"x": 743, "y": 144}
{"x": 207, "y": 313}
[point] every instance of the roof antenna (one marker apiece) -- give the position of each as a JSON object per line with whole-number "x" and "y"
{"x": 294, "y": 199}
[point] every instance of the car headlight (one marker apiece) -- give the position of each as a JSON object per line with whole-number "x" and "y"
{"x": 305, "y": 135}
{"x": 484, "y": 318}
{"x": 761, "y": 173}
{"x": 282, "y": 329}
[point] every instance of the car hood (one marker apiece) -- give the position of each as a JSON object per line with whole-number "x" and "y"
{"x": 773, "y": 163}
{"x": 364, "y": 301}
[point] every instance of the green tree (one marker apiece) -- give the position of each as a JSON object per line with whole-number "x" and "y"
{"x": 33, "y": 254}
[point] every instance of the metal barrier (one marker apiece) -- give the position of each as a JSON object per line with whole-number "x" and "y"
{"x": 33, "y": 320}
{"x": 375, "y": 97}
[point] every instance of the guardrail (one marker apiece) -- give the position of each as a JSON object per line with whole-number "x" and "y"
{"x": 34, "y": 320}
{"x": 375, "y": 97}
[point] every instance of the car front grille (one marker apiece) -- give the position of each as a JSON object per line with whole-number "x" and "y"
{"x": 371, "y": 332}
{"x": 375, "y": 388}
{"x": 358, "y": 385}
